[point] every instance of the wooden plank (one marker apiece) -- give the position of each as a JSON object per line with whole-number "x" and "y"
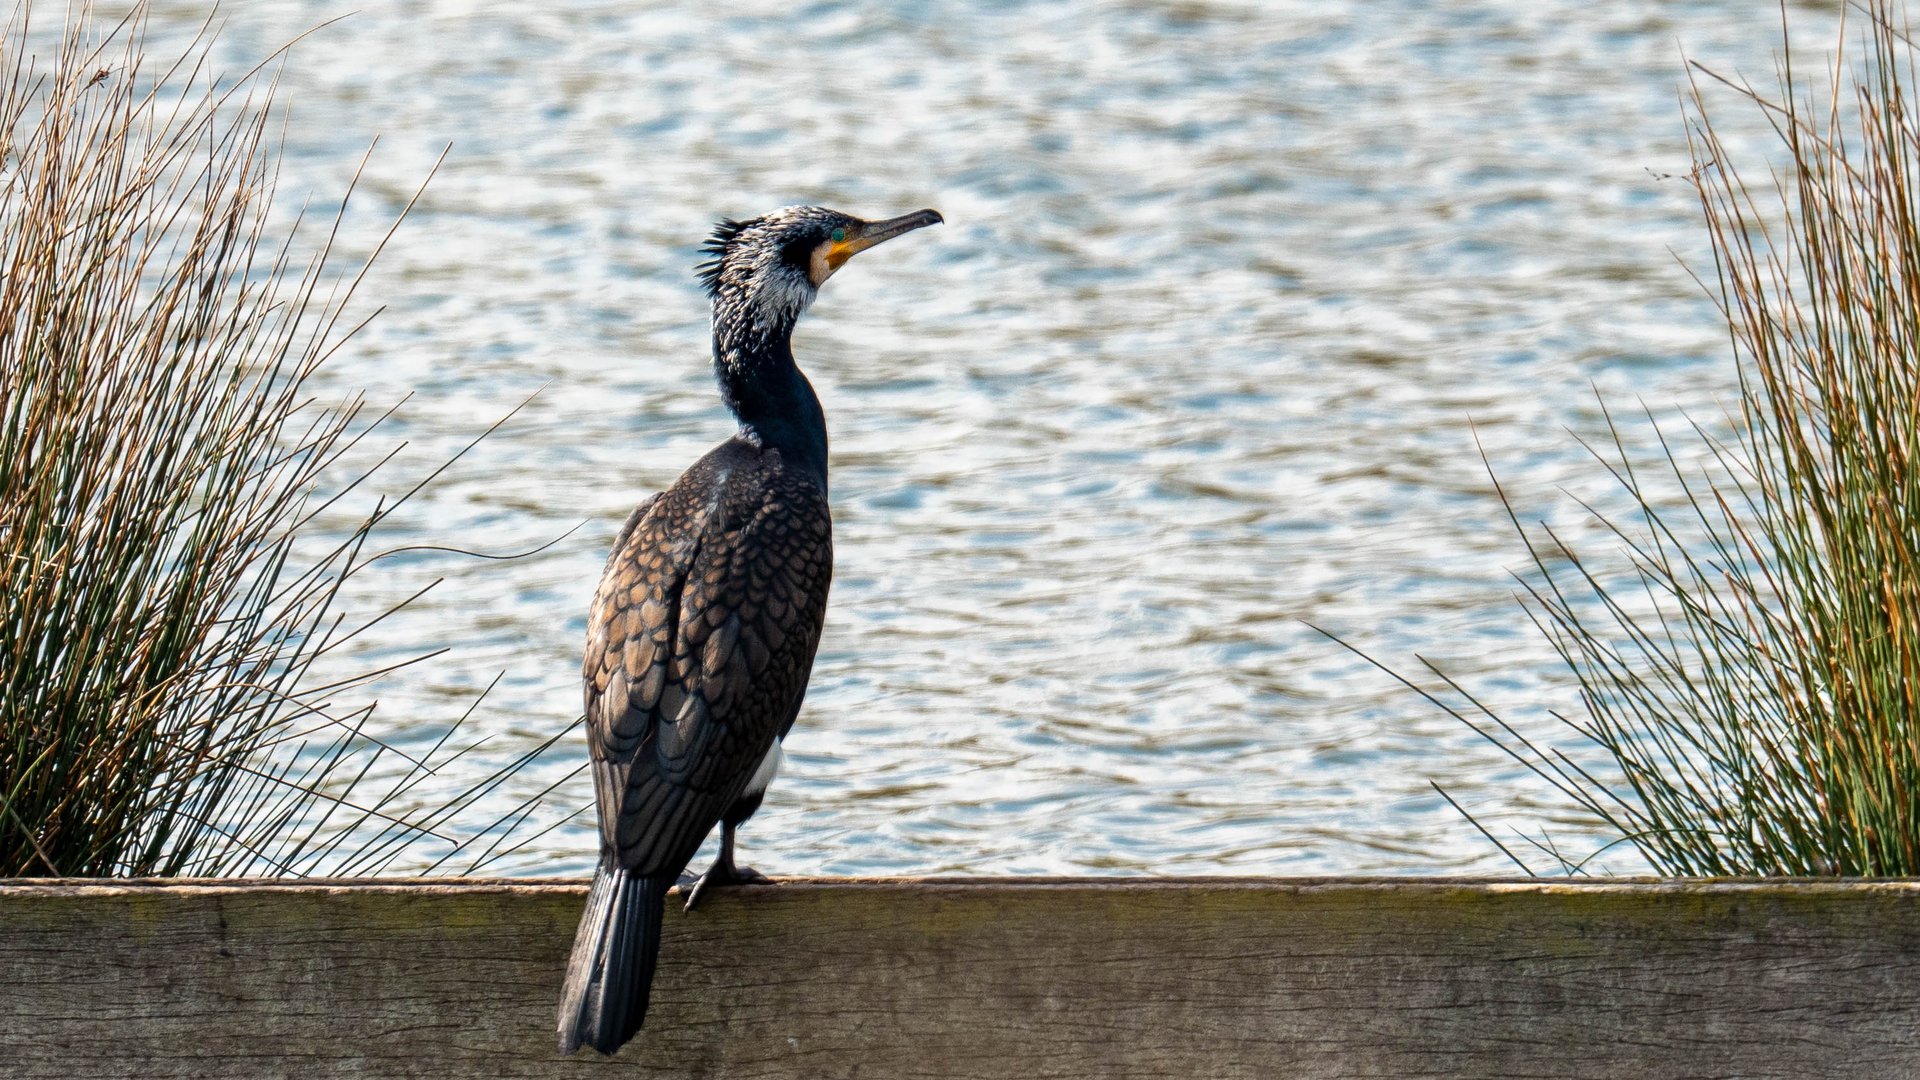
{"x": 962, "y": 978}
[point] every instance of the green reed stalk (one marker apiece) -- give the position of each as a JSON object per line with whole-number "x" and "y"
{"x": 1752, "y": 669}
{"x": 164, "y": 593}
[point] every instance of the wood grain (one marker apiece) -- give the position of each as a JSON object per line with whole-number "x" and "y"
{"x": 899, "y": 980}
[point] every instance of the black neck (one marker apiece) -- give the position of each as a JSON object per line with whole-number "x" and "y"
{"x": 773, "y": 401}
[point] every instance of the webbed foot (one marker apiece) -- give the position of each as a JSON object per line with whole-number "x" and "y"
{"x": 723, "y": 873}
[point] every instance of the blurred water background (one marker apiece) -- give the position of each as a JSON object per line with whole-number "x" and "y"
{"x": 1225, "y": 292}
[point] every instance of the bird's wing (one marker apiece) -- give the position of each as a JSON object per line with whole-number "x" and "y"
{"x": 700, "y": 641}
{"x": 626, "y": 529}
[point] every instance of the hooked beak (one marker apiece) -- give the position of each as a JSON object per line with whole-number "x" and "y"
{"x": 869, "y": 233}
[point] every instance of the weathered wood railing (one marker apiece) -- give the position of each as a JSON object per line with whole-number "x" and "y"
{"x": 1009, "y": 977}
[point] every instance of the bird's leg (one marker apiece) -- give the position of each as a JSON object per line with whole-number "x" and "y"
{"x": 723, "y": 871}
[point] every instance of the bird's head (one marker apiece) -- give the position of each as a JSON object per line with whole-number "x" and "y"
{"x": 765, "y": 271}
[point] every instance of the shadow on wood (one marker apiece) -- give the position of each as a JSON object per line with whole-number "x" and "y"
{"x": 1015, "y": 977}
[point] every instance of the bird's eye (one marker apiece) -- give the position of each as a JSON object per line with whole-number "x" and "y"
{"x": 839, "y": 235}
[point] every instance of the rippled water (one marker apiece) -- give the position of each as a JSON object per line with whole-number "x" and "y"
{"x": 1192, "y": 366}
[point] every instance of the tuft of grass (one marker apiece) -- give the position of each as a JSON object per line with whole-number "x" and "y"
{"x": 1751, "y": 670}
{"x": 166, "y": 589}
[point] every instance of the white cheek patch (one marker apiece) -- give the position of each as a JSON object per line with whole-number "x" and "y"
{"x": 818, "y": 268}
{"x": 769, "y": 768}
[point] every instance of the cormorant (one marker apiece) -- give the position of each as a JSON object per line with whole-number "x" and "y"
{"x": 702, "y": 633}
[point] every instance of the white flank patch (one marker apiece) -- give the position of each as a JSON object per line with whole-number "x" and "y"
{"x": 769, "y": 768}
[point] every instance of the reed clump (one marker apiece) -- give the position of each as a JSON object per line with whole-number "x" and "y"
{"x": 1753, "y": 670}
{"x": 165, "y": 593}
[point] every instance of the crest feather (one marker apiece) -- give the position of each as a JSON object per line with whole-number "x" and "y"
{"x": 724, "y": 231}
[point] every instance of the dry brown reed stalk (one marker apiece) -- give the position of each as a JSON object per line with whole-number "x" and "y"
{"x": 164, "y": 592}
{"x": 1752, "y": 671}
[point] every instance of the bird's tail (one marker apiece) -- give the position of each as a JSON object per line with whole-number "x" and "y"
{"x": 610, "y": 973}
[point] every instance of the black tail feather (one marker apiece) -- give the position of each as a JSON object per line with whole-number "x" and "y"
{"x": 610, "y": 974}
